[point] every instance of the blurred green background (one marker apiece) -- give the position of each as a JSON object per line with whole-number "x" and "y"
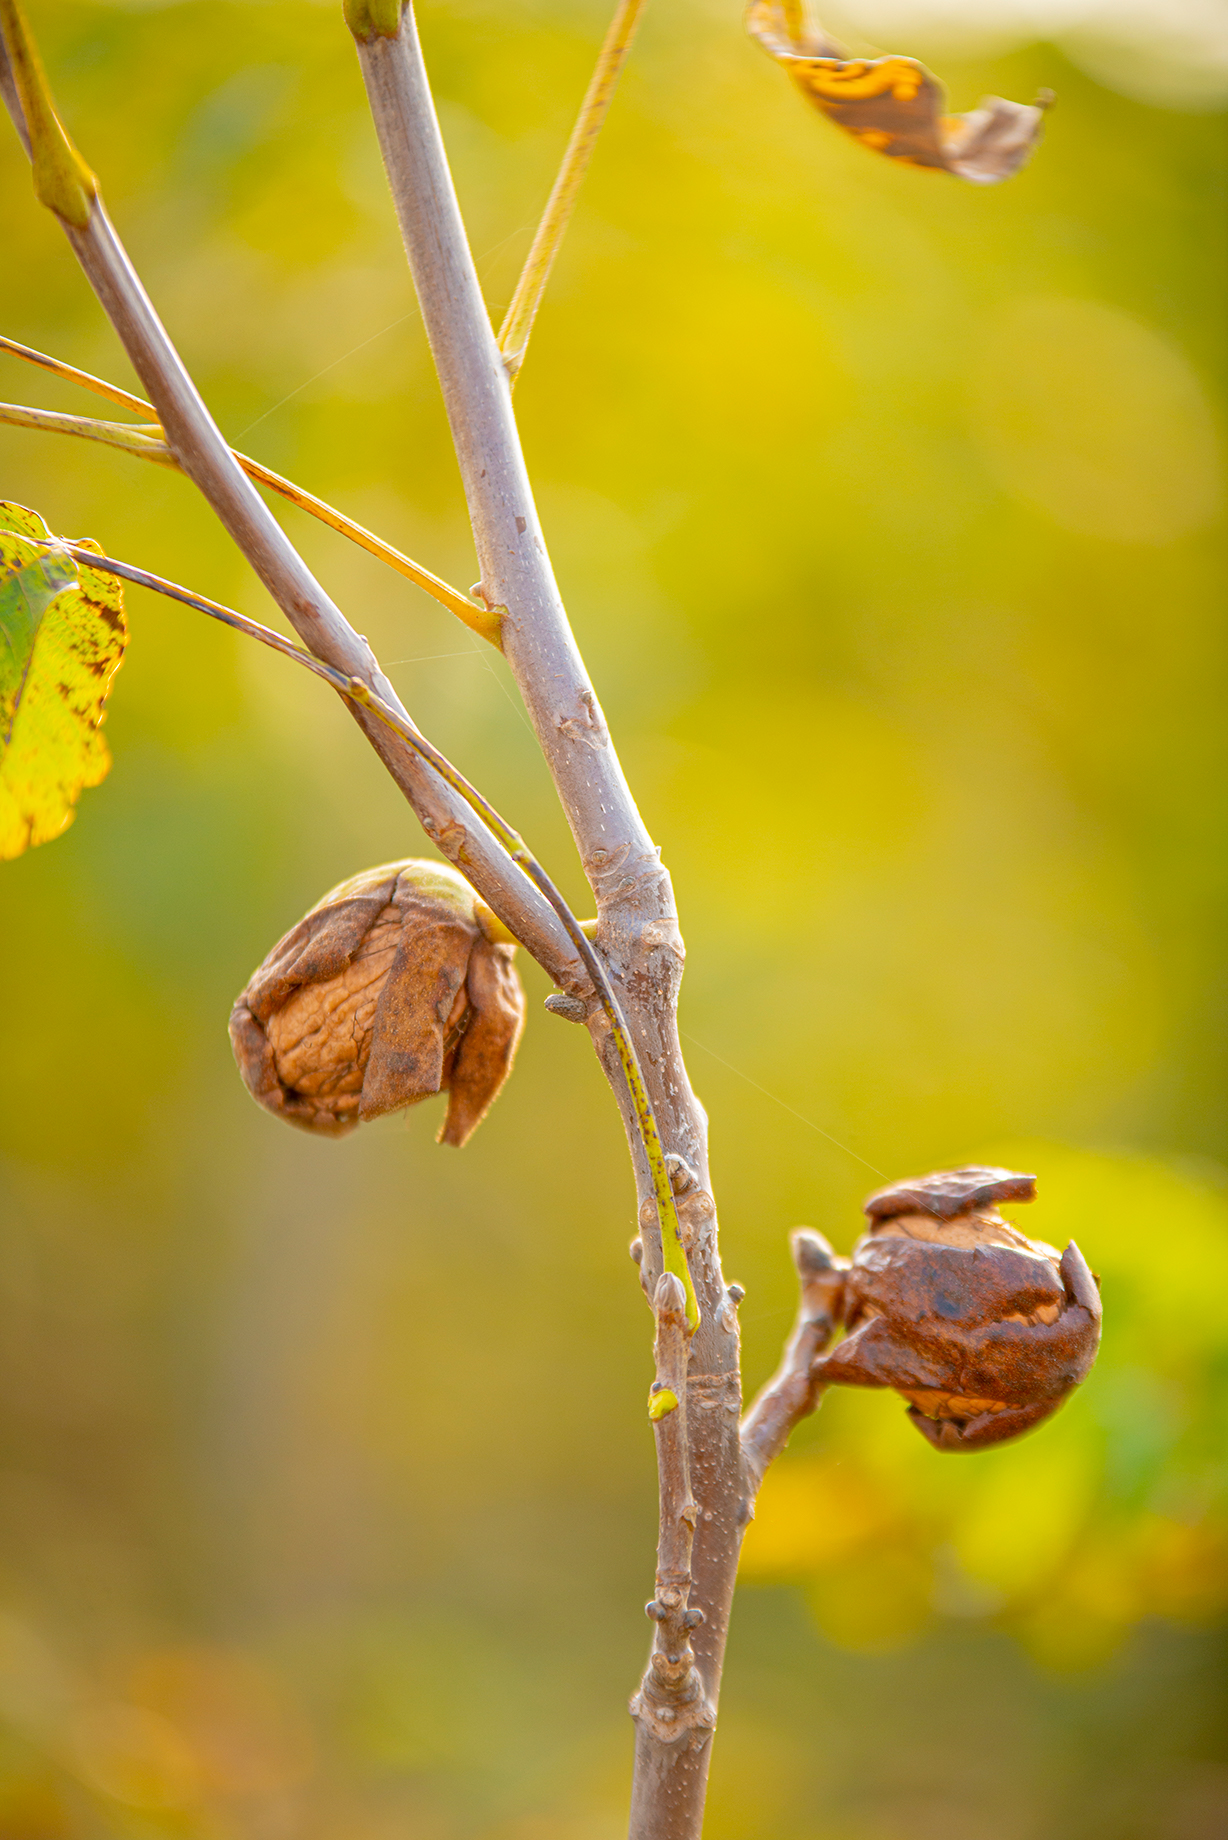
{"x": 886, "y": 511}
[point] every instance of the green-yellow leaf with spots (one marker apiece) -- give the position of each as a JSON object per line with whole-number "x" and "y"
{"x": 62, "y": 637}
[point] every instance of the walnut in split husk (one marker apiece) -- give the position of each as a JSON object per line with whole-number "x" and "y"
{"x": 397, "y": 985}
{"x": 981, "y": 1329}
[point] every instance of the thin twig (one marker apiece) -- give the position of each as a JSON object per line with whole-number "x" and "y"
{"x": 123, "y": 399}
{"x": 478, "y": 618}
{"x": 792, "y": 1393}
{"x": 517, "y": 324}
{"x": 144, "y": 440}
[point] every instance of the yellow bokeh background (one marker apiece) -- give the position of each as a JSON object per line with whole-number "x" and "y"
{"x": 889, "y": 514}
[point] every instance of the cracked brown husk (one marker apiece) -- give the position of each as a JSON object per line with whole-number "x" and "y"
{"x": 398, "y": 984}
{"x": 983, "y": 1331}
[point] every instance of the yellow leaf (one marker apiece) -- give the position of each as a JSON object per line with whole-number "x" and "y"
{"x": 893, "y": 105}
{"x": 62, "y": 637}
{"x": 813, "y": 1513}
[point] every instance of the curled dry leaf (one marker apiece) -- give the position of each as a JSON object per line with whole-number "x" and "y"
{"x": 397, "y": 985}
{"x": 983, "y": 1331}
{"x": 894, "y": 105}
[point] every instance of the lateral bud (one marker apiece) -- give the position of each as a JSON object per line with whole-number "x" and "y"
{"x": 571, "y": 1009}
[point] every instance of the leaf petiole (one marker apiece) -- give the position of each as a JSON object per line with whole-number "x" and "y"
{"x": 149, "y": 443}
{"x": 518, "y": 320}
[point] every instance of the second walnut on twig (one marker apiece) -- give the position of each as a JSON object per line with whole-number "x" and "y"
{"x": 397, "y": 985}
{"x": 982, "y": 1330}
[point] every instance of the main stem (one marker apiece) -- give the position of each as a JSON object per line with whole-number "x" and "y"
{"x": 638, "y": 930}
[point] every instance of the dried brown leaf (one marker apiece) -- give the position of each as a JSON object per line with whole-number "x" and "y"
{"x": 894, "y": 105}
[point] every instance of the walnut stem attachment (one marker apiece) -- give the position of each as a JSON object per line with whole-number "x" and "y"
{"x": 791, "y": 1394}
{"x": 517, "y": 324}
{"x": 673, "y": 1716}
{"x": 151, "y": 446}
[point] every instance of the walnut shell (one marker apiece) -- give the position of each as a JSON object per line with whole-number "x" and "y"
{"x": 983, "y": 1331}
{"x": 397, "y": 985}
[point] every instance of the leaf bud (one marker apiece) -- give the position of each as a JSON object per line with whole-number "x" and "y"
{"x": 397, "y": 985}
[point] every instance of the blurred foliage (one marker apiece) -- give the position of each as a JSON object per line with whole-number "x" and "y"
{"x": 886, "y": 509}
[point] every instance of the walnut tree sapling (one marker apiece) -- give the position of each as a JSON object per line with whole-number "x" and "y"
{"x": 400, "y": 983}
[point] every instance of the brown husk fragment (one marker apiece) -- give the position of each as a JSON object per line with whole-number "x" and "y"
{"x": 395, "y": 986}
{"x": 983, "y": 1331}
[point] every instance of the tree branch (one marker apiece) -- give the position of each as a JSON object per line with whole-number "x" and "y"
{"x": 638, "y": 937}
{"x": 516, "y": 572}
{"x": 638, "y": 932}
{"x": 792, "y": 1394}
{"x": 515, "y": 568}
{"x": 199, "y": 449}
{"x": 357, "y": 692}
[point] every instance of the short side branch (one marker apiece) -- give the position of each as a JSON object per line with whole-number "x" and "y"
{"x": 791, "y": 1394}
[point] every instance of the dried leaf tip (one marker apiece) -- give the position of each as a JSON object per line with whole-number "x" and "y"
{"x": 389, "y": 990}
{"x": 62, "y": 180}
{"x": 894, "y": 105}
